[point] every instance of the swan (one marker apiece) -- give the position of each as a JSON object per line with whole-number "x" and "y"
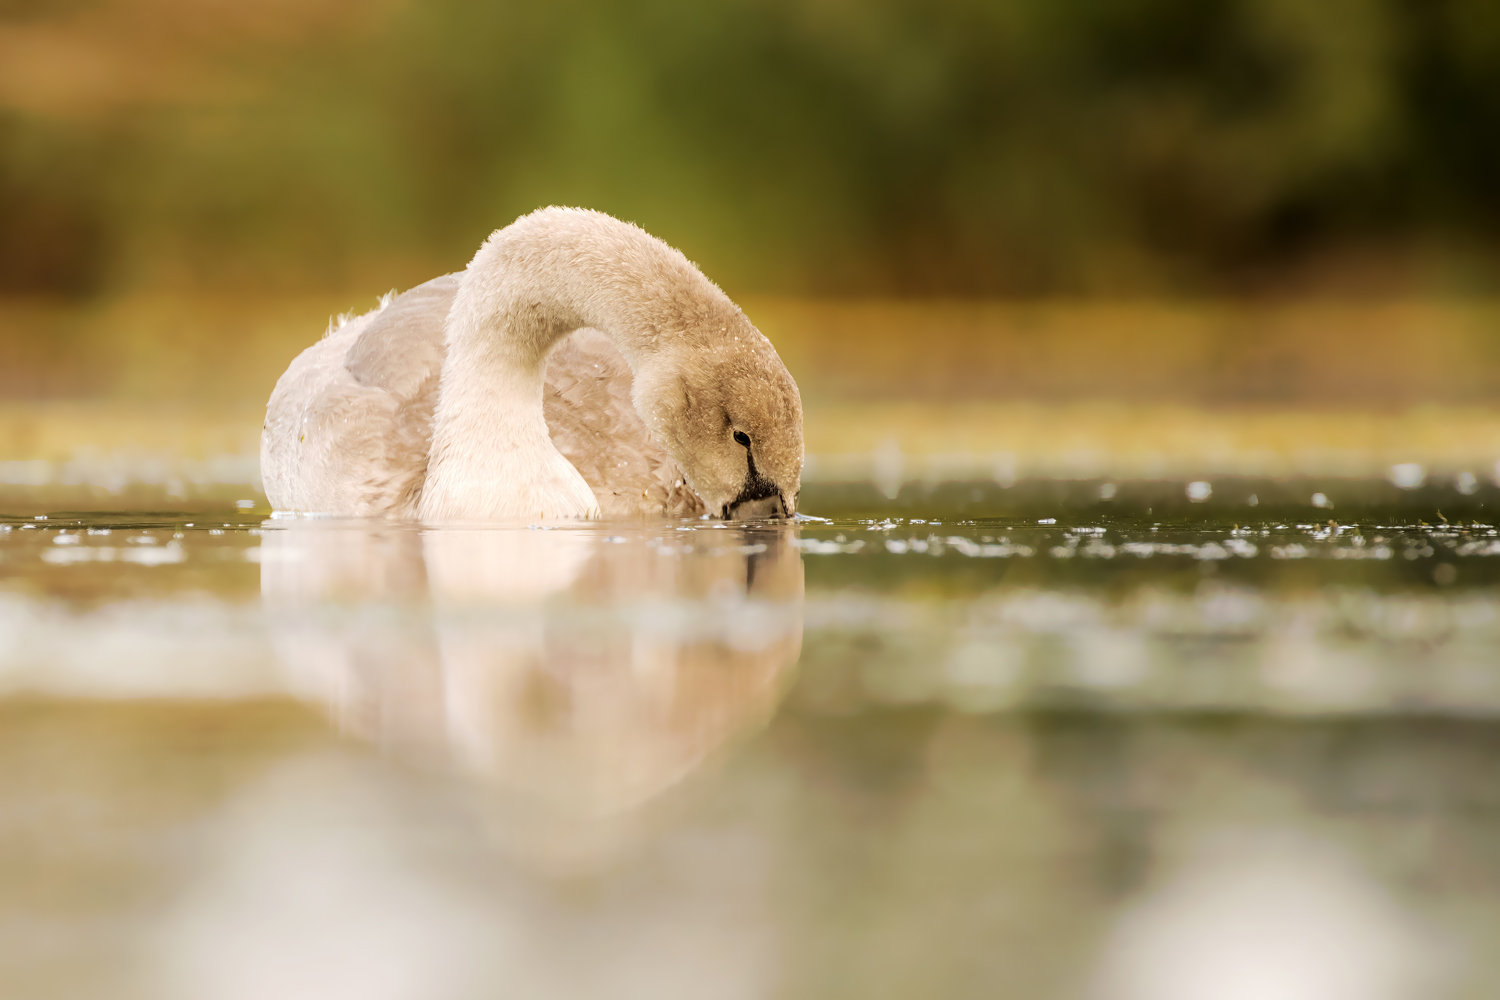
{"x": 577, "y": 368}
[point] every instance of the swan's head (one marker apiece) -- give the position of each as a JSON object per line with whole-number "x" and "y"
{"x": 729, "y": 413}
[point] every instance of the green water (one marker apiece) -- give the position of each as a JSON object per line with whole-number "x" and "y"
{"x": 965, "y": 742}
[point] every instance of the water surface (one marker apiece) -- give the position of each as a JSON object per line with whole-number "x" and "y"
{"x": 1035, "y": 742}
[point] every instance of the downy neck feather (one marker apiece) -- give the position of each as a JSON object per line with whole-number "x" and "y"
{"x": 530, "y": 285}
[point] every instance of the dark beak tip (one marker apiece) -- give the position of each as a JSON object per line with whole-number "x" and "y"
{"x": 759, "y": 509}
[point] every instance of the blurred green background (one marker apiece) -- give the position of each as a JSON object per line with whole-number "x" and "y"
{"x": 1015, "y": 147}
{"x": 1205, "y": 204}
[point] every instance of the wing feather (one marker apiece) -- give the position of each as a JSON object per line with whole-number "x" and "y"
{"x": 349, "y": 426}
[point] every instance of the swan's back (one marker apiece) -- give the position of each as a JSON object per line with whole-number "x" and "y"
{"x": 349, "y": 426}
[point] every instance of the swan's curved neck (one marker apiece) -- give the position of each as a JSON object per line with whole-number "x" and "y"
{"x": 530, "y": 285}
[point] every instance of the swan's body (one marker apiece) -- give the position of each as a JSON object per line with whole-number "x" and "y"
{"x": 364, "y": 398}
{"x": 466, "y": 398}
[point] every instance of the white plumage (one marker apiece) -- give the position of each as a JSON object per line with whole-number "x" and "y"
{"x": 577, "y": 367}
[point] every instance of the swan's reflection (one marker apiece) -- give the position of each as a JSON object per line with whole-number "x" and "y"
{"x": 591, "y": 668}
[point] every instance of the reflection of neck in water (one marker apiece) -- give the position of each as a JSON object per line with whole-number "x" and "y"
{"x": 589, "y": 673}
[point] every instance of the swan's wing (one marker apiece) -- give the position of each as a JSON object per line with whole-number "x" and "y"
{"x": 349, "y": 425}
{"x": 401, "y": 349}
{"x": 596, "y": 427}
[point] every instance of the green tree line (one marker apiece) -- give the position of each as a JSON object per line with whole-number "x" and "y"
{"x": 1013, "y": 147}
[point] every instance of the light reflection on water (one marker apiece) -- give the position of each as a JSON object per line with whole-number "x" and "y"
{"x": 1102, "y": 758}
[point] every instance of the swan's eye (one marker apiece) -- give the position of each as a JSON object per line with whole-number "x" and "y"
{"x": 742, "y": 439}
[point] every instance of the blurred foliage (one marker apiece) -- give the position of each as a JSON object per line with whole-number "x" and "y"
{"x": 818, "y": 146}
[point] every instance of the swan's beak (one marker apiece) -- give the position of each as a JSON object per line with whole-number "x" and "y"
{"x": 759, "y": 509}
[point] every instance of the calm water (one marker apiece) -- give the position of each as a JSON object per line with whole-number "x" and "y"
{"x": 1062, "y": 740}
